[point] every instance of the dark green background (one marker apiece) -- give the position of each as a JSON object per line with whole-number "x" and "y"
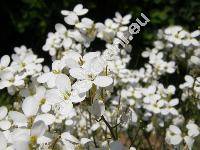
{"x": 28, "y": 21}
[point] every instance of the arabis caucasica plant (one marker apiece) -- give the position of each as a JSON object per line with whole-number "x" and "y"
{"x": 89, "y": 99}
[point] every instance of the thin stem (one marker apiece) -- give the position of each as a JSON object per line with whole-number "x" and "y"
{"x": 90, "y": 118}
{"x": 56, "y": 140}
{"x": 109, "y": 127}
{"x": 118, "y": 107}
{"x": 93, "y": 135}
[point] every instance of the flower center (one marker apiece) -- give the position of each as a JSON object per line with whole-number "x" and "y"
{"x": 33, "y": 139}
{"x": 91, "y": 77}
{"x": 42, "y": 101}
{"x": 81, "y": 61}
{"x": 56, "y": 71}
{"x": 67, "y": 95}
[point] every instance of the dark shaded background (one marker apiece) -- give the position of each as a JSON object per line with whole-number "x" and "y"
{"x": 28, "y": 21}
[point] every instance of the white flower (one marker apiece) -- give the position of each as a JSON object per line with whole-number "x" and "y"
{"x": 123, "y": 20}
{"x": 74, "y": 59}
{"x": 89, "y": 74}
{"x": 30, "y": 108}
{"x": 173, "y": 135}
{"x": 21, "y": 138}
{"x": 63, "y": 95}
{"x": 193, "y": 129}
{"x": 50, "y": 77}
{"x": 25, "y": 60}
{"x": 72, "y": 16}
{"x": 189, "y": 82}
{"x": 85, "y": 23}
{"x": 8, "y": 79}
{"x": 169, "y": 107}
{"x": 173, "y": 29}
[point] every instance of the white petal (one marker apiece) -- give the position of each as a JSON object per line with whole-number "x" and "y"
{"x": 189, "y": 141}
{"x": 134, "y": 116}
{"x": 195, "y": 33}
{"x": 5, "y": 60}
{"x": 60, "y": 28}
{"x": 65, "y": 12}
{"x": 65, "y": 107}
{"x": 78, "y": 9}
{"x": 174, "y": 129}
{"x": 71, "y": 63}
{"x": 176, "y": 139}
{"x": 89, "y": 56}
{"x": 58, "y": 65}
{"x": 53, "y": 96}
{"x": 3, "y": 141}
{"x": 21, "y": 145}
{"x": 126, "y": 19}
{"x": 165, "y": 111}
{"x": 43, "y": 140}
{"x": 63, "y": 83}
{"x": 30, "y": 107}
{"x": 103, "y": 81}
{"x": 3, "y": 112}
{"x": 173, "y": 111}
{"x": 95, "y": 65}
{"x": 71, "y": 19}
{"x": 85, "y": 140}
{"x": 78, "y": 73}
{"x": 46, "y": 108}
{"x": 189, "y": 79}
{"x": 47, "y": 118}
{"x": 38, "y": 128}
{"x": 171, "y": 89}
{"x": 174, "y": 102}
{"x": 72, "y": 58}
{"x": 67, "y": 136}
{"x": 82, "y": 86}
{"x": 69, "y": 122}
{"x": 95, "y": 126}
{"x": 5, "y": 124}
{"x": 195, "y": 60}
{"x": 4, "y": 84}
{"x": 20, "y": 135}
{"x": 40, "y": 92}
{"x": 67, "y": 42}
{"x": 44, "y": 77}
{"x": 77, "y": 98}
{"x": 18, "y": 118}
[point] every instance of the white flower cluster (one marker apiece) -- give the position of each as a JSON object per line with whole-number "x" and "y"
{"x": 174, "y": 135}
{"x": 91, "y": 100}
{"x": 15, "y": 74}
{"x": 179, "y": 44}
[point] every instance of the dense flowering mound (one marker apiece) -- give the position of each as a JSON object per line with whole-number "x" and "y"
{"x": 90, "y": 100}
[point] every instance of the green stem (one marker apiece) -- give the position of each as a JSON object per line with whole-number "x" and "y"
{"x": 109, "y": 127}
